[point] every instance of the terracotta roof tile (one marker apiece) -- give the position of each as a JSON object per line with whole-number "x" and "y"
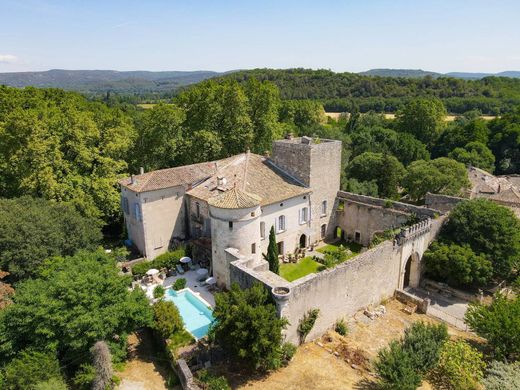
{"x": 234, "y": 199}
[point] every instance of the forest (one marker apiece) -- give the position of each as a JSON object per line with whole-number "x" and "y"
{"x": 340, "y": 92}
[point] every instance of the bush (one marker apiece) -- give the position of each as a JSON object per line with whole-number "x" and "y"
{"x": 29, "y": 368}
{"x": 167, "y": 319}
{"x": 166, "y": 260}
{"x": 460, "y": 367}
{"x": 502, "y": 376}
{"x": 341, "y": 327}
{"x": 457, "y": 265}
{"x": 211, "y": 382}
{"x": 499, "y": 324}
{"x": 307, "y": 323}
{"x": 396, "y": 368}
{"x": 424, "y": 342}
{"x": 288, "y": 351}
{"x": 158, "y": 292}
{"x": 179, "y": 284}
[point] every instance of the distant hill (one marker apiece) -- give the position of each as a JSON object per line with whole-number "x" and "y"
{"x": 419, "y": 73}
{"x": 101, "y": 81}
{"x": 400, "y": 73}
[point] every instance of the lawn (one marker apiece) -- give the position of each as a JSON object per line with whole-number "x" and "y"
{"x": 354, "y": 247}
{"x": 293, "y": 271}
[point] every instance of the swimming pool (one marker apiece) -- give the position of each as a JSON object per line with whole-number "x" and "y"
{"x": 196, "y": 315}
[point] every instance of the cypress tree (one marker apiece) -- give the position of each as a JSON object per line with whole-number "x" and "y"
{"x": 272, "y": 253}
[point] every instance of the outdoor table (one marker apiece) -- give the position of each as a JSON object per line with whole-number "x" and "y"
{"x": 202, "y": 273}
{"x": 185, "y": 260}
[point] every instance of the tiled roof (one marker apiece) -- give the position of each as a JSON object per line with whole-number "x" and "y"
{"x": 511, "y": 195}
{"x": 171, "y": 177}
{"x": 234, "y": 199}
{"x": 253, "y": 174}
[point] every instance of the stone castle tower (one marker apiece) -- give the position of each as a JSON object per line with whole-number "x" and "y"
{"x": 317, "y": 165}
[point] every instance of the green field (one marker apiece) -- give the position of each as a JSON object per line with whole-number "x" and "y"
{"x": 293, "y": 271}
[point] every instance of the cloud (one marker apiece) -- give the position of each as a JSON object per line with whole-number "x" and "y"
{"x": 8, "y": 59}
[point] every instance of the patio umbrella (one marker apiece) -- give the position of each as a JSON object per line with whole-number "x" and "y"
{"x": 152, "y": 272}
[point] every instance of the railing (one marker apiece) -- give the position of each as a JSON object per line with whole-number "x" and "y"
{"x": 413, "y": 231}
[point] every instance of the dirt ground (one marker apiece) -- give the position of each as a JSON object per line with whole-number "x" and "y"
{"x": 146, "y": 369}
{"x": 337, "y": 362}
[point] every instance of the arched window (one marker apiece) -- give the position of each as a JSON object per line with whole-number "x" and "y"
{"x": 324, "y": 208}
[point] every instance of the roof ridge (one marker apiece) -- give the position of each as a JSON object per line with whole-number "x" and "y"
{"x": 246, "y": 164}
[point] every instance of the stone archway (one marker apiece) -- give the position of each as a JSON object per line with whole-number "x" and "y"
{"x": 412, "y": 271}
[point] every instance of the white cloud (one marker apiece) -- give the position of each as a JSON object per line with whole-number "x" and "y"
{"x": 8, "y": 59}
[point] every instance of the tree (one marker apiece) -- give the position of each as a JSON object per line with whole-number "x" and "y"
{"x": 439, "y": 176}
{"x": 457, "y": 265}
{"x": 423, "y": 118}
{"x": 74, "y": 302}
{"x": 505, "y": 142}
{"x": 102, "y": 360}
{"x": 264, "y": 102}
{"x": 386, "y": 170}
{"x": 460, "y": 367}
{"x": 462, "y": 131}
{"x": 160, "y": 137}
{"x": 167, "y": 319}
{"x": 499, "y": 324}
{"x": 207, "y": 144}
{"x": 424, "y": 342}
{"x": 502, "y": 376}
{"x": 59, "y": 146}
{"x": 489, "y": 229}
{"x": 247, "y": 326}
{"x": 396, "y": 368}
{"x": 29, "y": 368}
{"x": 476, "y": 154}
{"x": 272, "y": 253}
{"x": 32, "y": 230}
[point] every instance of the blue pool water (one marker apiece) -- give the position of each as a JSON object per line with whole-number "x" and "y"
{"x": 196, "y": 315}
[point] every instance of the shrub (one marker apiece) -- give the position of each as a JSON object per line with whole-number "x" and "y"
{"x": 288, "y": 351}
{"x": 502, "y": 376}
{"x": 307, "y": 323}
{"x": 158, "y": 292}
{"x": 179, "y": 284}
{"x": 341, "y": 327}
{"x": 396, "y": 368}
{"x": 166, "y": 260}
{"x": 209, "y": 381}
{"x": 460, "y": 367}
{"x": 29, "y": 368}
{"x": 247, "y": 326}
{"x": 424, "y": 342}
{"x": 499, "y": 324}
{"x": 167, "y": 319}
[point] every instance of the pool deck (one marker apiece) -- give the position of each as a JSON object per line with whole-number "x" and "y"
{"x": 191, "y": 283}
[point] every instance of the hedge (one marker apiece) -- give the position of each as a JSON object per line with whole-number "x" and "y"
{"x": 166, "y": 260}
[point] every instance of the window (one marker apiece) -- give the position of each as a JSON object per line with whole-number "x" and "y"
{"x": 281, "y": 223}
{"x": 253, "y": 248}
{"x": 324, "y": 208}
{"x": 262, "y": 230}
{"x": 323, "y": 231}
{"x": 137, "y": 212}
{"x": 304, "y": 215}
{"x": 230, "y": 224}
{"x": 125, "y": 205}
{"x": 197, "y": 209}
{"x": 358, "y": 237}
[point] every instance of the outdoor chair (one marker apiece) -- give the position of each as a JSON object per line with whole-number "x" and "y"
{"x": 179, "y": 269}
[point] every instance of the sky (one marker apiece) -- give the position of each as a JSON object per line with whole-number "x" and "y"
{"x": 344, "y": 36}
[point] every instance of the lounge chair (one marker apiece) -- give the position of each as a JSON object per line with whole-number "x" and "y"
{"x": 179, "y": 269}
{"x": 194, "y": 267}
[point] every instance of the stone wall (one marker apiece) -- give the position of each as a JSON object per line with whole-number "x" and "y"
{"x": 387, "y": 204}
{"x": 443, "y": 203}
{"x": 185, "y": 376}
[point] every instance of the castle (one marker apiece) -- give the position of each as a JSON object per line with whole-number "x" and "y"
{"x": 235, "y": 201}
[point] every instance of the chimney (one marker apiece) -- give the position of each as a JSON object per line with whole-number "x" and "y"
{"x": 133, "y": 180}
{"x": 221, "y": 181}
{"x": 141, "y": 171}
